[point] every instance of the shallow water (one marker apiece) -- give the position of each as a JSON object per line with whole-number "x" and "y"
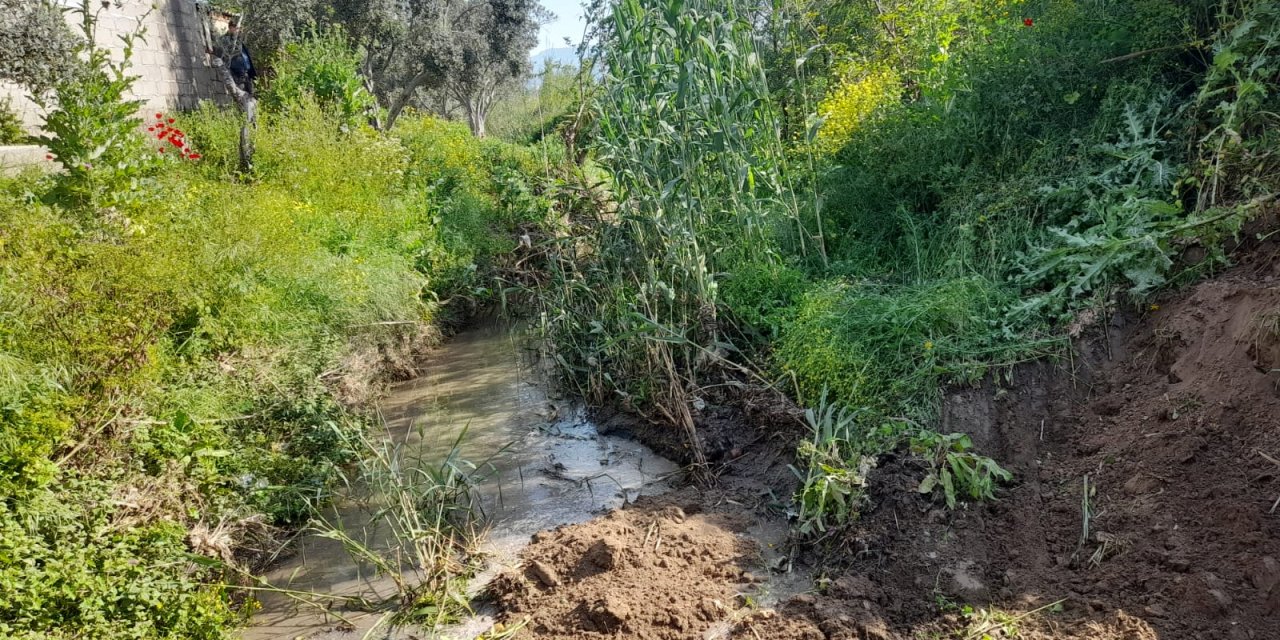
{"x": 546, "y": 466}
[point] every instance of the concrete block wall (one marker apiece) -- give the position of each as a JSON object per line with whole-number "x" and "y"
{"x": 170, "y": 63}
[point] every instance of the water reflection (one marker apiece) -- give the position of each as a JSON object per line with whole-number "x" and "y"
{"x": 544, "y": 463}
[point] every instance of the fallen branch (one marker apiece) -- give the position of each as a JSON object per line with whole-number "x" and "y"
{"x": 1144, "y": 52}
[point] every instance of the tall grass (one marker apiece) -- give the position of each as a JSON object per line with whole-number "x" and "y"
{"x": 418, "y": 524}
{"x": 690, "y": 141}
{"x": 984, "y": 171}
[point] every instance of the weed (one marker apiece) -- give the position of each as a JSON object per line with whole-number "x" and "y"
{"x": 955, "y": 469}
{"x": 835, "y": 472}
{"x": 421, "y": 528}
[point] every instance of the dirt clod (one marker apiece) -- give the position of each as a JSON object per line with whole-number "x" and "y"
{"x": 544, "y": 574}
{"x": 609, "y": 613}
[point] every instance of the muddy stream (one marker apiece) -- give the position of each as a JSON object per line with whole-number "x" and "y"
{"x": 547, "y": 466}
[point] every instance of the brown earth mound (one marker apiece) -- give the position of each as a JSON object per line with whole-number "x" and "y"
{"x": 642, "y": 573}
{"x": 1146, "y": 506}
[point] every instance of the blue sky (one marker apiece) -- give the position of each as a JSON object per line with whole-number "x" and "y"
{"x": 568, "y": 24}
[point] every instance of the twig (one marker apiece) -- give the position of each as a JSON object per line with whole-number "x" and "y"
{"x": 983, "y": 630}
{"x": 385, "y": 323}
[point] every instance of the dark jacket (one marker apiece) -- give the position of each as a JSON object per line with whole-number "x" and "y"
{"x": 234, "y": 52}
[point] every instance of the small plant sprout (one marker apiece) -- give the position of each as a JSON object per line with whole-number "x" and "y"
{"x": 956, "y": 469}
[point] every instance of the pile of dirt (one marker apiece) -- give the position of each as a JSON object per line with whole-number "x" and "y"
{"x": 686, "y": 564}
{"x": 651, "y": 573}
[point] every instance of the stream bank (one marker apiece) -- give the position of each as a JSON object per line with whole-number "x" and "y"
{"x": 541, "y": 463}
{"x": 1143, "y": 508}
{"x": 1160, "y": 433}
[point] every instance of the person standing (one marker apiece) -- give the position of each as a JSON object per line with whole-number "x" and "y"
{"x": 235, "y": 54}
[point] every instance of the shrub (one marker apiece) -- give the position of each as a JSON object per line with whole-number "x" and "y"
{"x": 91, "y": 129}
{"x": 11, "y": 131}
{"x": 324, "y": 68}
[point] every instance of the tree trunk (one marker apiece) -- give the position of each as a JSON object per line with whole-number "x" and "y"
{"x": 248, "y": 106}
{"x": 403, "y": 99}
{"x": 475, "y": 119}
{"x": 477, "y": 107}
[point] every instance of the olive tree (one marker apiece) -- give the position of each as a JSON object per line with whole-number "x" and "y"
{"x": 464, "y": 49}
{"x": 37, "y": 44}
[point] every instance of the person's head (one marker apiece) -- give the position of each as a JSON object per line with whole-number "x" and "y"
{"x": 233, "y": 28}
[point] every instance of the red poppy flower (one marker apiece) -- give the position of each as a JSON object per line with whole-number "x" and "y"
{"x": 48, "y": 156}
{"x": 194, "y": 156}
{"x": 159, "y": 116}
{"x": 1025, "y": 21}
{"x": 160, "y": 150}
{"x": 170, "y": 120}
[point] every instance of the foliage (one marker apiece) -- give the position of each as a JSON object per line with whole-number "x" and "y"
{"x": 1239, "y": 158}
{"x": 853, "y": 105}
{"x": 694, "y": 198}
{"x": 326, "y": 69}
{"x": 835, "y": 469}
{"x": 90, "y": 126}
{"x": 528, "y": 114}
{"x": 421, "y": 528}
{"x": 11, "y": 129}
{"x": 889, "y": 348}
{"x": 464, "y": 49}
{"x": 200, "y": 355}
{"x": 955, "y": 468}
{"x": 83, "y": 569}
{"x": 39, "y": 48}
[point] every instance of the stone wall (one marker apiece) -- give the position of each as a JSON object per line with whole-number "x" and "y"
{"x": 171, "y": 65}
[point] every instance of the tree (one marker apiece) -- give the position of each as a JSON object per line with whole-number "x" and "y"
{"x": 37, "y": 44}
{"x": 464, "y": 48}
{"x": 494, "y": 51}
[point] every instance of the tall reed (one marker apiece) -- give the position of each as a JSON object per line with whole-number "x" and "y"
{"x": 691, "y": 144}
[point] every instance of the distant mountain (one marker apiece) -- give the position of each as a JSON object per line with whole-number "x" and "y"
{"x": 557, "y": 55}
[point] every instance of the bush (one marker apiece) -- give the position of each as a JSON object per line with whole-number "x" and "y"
{"x": 11, "y": 131}
{"x": 78, "y": 562}
{"x": 324, "y": 68}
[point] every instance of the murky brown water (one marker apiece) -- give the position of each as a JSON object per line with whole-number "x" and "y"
{"x": 548, "y": 467}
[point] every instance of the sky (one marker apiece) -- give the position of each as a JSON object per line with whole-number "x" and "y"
{"x": 568, "y": 24}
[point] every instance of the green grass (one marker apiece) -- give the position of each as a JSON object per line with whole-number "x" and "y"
{"x": 194, "y": 357}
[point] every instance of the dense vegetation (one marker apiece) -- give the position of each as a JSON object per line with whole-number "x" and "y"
{"x": 861, "y": 202}
{"x": 184, "y": 352}
{"x": 856, "y": 203}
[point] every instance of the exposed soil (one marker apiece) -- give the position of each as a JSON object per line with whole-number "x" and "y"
{"x": 1172, "y": 417}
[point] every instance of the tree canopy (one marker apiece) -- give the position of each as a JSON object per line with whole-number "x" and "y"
{"x": 417, "y": 51}
{"x": 36, "y": 42}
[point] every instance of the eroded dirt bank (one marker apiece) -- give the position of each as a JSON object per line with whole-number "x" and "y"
{"x": 1173, "y": 418}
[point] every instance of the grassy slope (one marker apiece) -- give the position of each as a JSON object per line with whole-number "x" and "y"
{"x": 177, "y": 374}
